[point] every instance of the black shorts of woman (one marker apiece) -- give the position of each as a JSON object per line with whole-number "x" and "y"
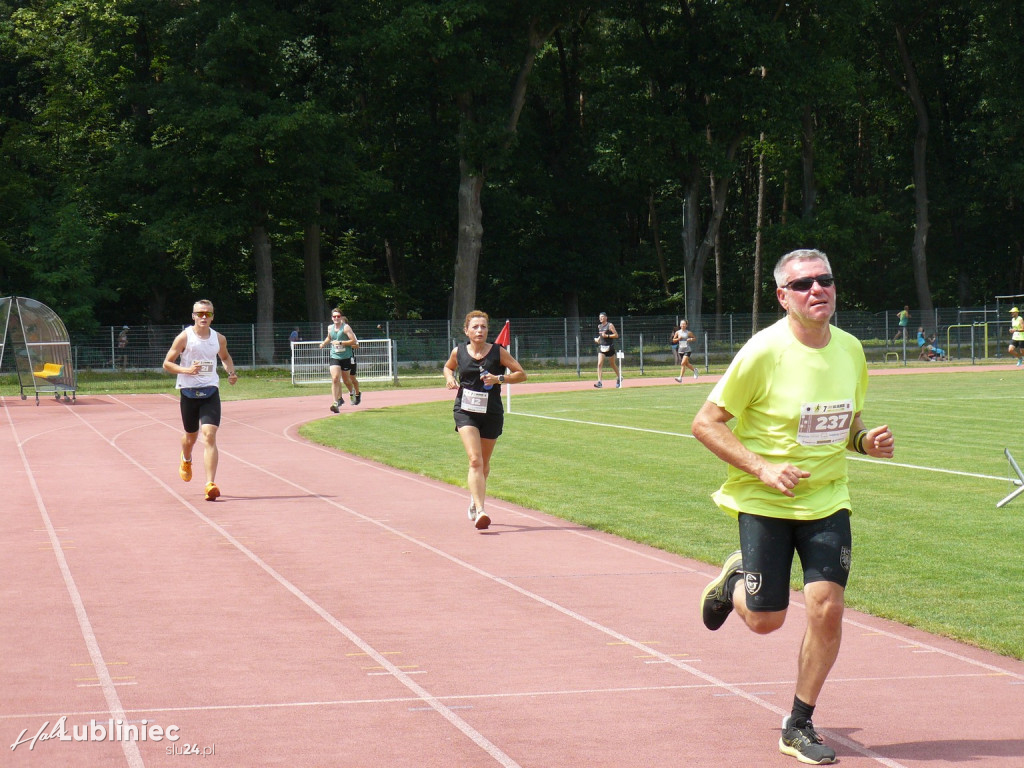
{"x": 476, "y": 368}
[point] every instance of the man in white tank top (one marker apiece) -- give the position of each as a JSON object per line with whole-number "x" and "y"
{"x": 193, "y": 357}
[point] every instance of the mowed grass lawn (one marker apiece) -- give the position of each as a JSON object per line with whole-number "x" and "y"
{"x": 930, "y": 548}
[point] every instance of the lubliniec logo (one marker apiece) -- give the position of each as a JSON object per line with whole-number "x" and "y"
{"x": 93, "y": 731}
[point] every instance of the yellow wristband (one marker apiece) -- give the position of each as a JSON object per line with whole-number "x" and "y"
{"x": 858, "y": 441}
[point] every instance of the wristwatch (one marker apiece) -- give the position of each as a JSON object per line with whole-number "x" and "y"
{"x": 501, "y": 379}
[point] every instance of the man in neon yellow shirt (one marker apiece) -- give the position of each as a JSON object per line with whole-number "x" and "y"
{"x": 796, "y": 391}
{"x": 1017, "y": 336}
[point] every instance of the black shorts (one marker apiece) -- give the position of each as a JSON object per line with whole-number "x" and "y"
{"x": 489, "y": 424}
{"x": 348, "y": 364}
{"x": 768, "y": 545}
{"x": 200, "y": 410}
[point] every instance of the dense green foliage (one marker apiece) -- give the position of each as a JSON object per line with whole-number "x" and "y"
{"x": 277, "y": 157}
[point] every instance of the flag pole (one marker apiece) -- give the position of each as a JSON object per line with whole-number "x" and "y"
{"x": 504, "y": 339}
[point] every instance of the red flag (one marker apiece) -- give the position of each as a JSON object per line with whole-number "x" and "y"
{"x": 505, "y": 337}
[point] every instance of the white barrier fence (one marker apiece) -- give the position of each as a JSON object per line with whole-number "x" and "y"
{"x": 374, "y": 361}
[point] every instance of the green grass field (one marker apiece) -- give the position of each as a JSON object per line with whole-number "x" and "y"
{"x": 930, "y": 548}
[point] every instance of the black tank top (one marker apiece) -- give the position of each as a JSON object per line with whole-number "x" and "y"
{"x": 469, "y": 374}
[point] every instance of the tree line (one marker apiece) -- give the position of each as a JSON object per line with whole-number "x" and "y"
{"x": 531, "y": 157}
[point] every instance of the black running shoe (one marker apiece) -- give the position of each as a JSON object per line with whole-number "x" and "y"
{"x": 805, "y": 744}
{"x": 715, "y": 600}
{"x": 357, "y": 398}
{"x": 334, "y": 406}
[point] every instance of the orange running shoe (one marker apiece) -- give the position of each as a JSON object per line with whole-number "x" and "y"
{"x": 185, "y": 469}
{"x": 212, "y": 491}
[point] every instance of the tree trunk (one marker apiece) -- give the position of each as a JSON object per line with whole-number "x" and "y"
{"x": 810, "y": 186}
{"x": 717, "y": 253}
{"x": 316, "y": 309}
{"x": 758, "y": 240}
{"x": 572, "y": 312}
{"x": 393, "y": 265}
{"x": 471, "y": 232}
{"x": 691, "y": 275}
{"x": 264, "y": 295}
{"x": 912, "y": 87}
{"x": 658, "y": 250}
{"x": 695, "y": 256}
{"x": 471, "y": 183}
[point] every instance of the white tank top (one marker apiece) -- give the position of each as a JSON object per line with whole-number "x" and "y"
{"x": 205, "y": 351}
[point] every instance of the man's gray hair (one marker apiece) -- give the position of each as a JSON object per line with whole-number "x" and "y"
{"x": 803, "y": 254}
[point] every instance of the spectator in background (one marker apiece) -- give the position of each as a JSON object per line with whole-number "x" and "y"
{"x": 294, "y": 336}
{"x": 122, "y": 346}
{"x": 924, "y": 348}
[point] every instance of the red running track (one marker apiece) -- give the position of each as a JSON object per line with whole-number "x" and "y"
{"x": 329, "y": 611}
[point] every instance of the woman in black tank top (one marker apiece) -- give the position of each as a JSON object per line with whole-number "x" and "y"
{"x": 476, "y": 368}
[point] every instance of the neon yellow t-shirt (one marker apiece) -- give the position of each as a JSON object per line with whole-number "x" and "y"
{"x": 796, "y": 404}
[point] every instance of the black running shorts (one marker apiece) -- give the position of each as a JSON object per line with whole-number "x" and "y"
{"x": 768, "y": 544}
{"x": 200, "y": 410}
{"x": 348, "y": 364}
{"x": 489, "y": 424}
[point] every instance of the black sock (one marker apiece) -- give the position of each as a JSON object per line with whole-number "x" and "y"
{"x": 730, "y": 586}
{"x": 801, "y": 713}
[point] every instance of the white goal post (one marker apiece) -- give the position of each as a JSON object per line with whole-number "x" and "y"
{"x": 311, "y": 364}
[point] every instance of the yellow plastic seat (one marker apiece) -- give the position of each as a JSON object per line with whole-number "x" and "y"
{"x": 49, "y": 371}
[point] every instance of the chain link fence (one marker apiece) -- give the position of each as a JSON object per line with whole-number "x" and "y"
{"x": 965, "y": 334}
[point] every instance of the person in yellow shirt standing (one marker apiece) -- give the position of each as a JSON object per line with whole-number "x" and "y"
{"x": 1016, "y": 347}
{"x": 796, "y": 391}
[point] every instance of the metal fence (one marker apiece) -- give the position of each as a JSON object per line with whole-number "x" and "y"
{"x": 965, "y": 334}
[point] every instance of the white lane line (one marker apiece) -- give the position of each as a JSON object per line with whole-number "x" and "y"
{"x": 106, "y": 681}
{"x": 867, "y": 459}
{"x": 494, "y": 696}
{"x": 428, "y": 698}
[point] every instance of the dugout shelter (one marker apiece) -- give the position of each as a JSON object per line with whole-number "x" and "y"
{"x": 37, "y": 338}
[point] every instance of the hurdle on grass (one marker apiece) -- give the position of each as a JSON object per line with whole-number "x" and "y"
{"x": 1019, "y": 482}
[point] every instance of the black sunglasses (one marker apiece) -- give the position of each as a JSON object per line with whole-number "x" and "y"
{"x": 804, "y": 284}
